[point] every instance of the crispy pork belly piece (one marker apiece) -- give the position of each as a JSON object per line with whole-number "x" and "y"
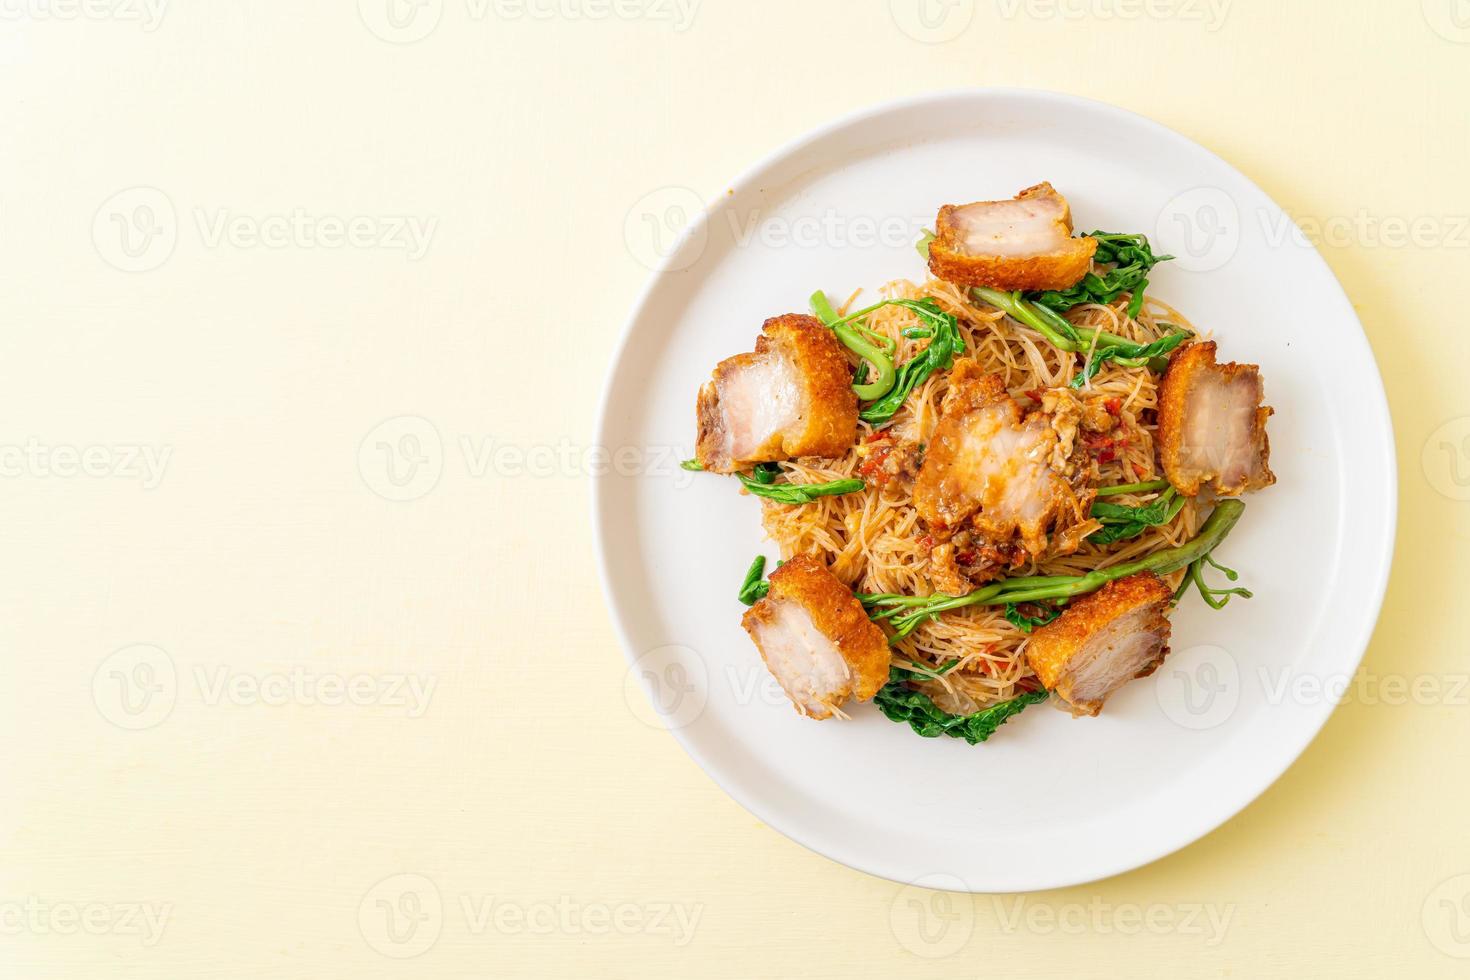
{"x": 1024, "y": 243}
{"x": 1103, "y": 641}
{"x": 1212, "y": 425}
{"x": 816, "y": 639}
{"x": 792, "y": 397}
{"x": 992, "y": 471}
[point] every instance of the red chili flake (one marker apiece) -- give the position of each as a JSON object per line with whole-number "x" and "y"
{"x": 926, "y": 542}
{"x": 873, "y": 466}
{"x": 1036, "y": 394}
{"x": 967, "y": 557}
{"x": 1105, "y": 446}
{"x": 1114, "y": 406}
{"x": 878, "y": 436}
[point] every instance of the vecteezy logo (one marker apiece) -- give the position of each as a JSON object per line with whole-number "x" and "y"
{"x": 402, "y": 459}
{"x": 1446, "y": 459}
{"x": 1450, "y": 19}
{"x": 135, "y": 230}
{"x": 401, "y": 916}
{"x": 929, "y": 922}
{"x": 1446, "y": 917}
{"x": 1200, "y": 228}
{"x": 136, "y": 687}
{"x": 667, "y": 687}
{"x": 660, "y": 222}
{"x": 932, "y": 21}
{"x": 401, "y": 21}
{"x": 1199, "y": 688}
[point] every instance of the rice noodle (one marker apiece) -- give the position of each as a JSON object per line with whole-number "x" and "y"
{"x": 871, "y": 540}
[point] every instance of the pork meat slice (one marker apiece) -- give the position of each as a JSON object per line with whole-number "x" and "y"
{"x": 1023, "y": 243}
{"x": 1212, "y": 425}
{"x": 792, "y": 397}
{"x": 1103, "y": 641}
{"x": 816, "y": 639}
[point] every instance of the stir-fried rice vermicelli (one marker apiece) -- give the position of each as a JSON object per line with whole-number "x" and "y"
{"x": 873, "y": 540}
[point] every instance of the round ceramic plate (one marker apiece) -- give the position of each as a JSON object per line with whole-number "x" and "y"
{"x": 1050, "y": 800}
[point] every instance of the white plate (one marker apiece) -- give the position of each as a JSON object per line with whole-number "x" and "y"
{"x": 1050, "y": 801}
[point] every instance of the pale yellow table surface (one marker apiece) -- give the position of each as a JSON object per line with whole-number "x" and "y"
{"x": 173, "y": 804}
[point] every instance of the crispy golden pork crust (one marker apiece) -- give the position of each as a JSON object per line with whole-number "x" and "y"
{"x": 943, "y": 499}
{"x": 1195, "y": 453}
{"x": 836, "y": 614}
{"x": 971, "y": 387}
{"x": 1061, "y": 266}
{"x": 960, "y": 488}
{"x": 827, "y": 422}
{"x": 1130, "y": 609}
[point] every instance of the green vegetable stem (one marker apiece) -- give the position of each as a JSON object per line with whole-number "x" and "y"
{"x": 907, "y": 612}
{"x": 1131, "y": 258}
{"x": 754, "y": 588}
{"x": 892, "y": 386}
{"x": 762, "y": 483}
{"x": 860, "y": 341}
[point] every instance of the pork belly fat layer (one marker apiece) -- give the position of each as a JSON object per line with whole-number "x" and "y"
{"x": 792, "y": 397}
{"x": 1023, "y": 243}
{"x": 1103, "y": 641}
{"x": 816, "y": 639}
{"x": 987, "y": 466}
{"x": 1212, "y": 425}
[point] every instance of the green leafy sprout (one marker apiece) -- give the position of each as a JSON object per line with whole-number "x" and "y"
{"x": 892, "y": 386}
{"x": 900, "y": 703}
{"x": 754, "y": 587}
{"x": 1130, "y": 258}
{"x": 1026, "y": 623}
{"x": 1121, "y": 522}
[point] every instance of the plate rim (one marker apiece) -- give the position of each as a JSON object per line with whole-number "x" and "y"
{"x": 1377, "y": 406}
